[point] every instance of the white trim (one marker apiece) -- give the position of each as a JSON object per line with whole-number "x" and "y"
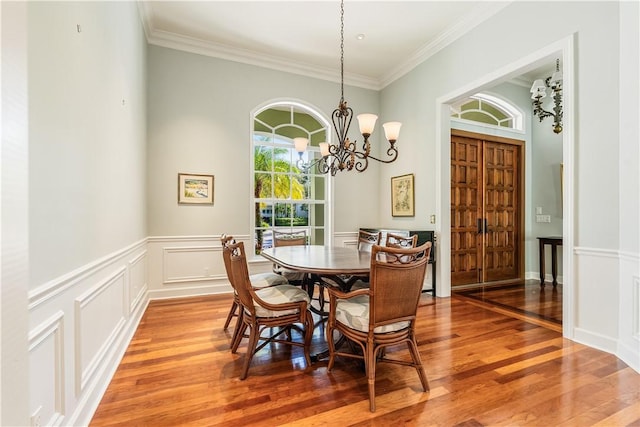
{"x": 244, "y": 56}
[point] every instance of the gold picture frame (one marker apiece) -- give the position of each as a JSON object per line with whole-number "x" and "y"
{"x": 402, "y": 195}
{"x": 195, "y": 189}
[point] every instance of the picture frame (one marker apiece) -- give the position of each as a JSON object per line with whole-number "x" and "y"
{"x": 194, "y": 189}
{"x": 402, "y": 195}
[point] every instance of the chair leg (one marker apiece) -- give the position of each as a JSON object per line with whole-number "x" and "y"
{"x": 232, "y": 313}
{"x": 330, "y": 344}
{"x": 308, "y": 335}
{"x": 417, "y": 362}
{"x": 237, "y": 336}
{"x": 370, "y": 366}
{"x": 251, "y": 349}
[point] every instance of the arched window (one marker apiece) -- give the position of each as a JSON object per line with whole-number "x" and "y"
{"x": 287, "y": 197}
{"x": 488, "y": 109}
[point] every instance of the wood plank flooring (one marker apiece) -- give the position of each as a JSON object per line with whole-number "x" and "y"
{"x": 528, "y": 299}
{"x": 484, "y": 368}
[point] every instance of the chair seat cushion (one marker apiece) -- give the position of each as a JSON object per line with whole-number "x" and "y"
{"x": 354, "y": 313}
{"x": 290, "y": 275}
{"x": 263, "y": 280}
{"x": 280, "y": 294}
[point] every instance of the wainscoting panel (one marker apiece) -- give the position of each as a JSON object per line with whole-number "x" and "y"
{"x": 46, "y": 368}
{"x": 81, "y": 324}
{"x": 182, "y": 266}
{"x": 606, "y": 279}
{"x": 100, "y": 315}
{"x": 629, "y": 310}
{"x": 190, "y": 264}
{"x": 137, "y": 280}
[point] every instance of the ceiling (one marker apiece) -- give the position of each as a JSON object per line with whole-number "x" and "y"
{"x": 304, "y": 36}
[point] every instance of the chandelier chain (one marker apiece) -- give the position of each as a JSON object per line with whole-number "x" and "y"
{"x": 341, "y": 51}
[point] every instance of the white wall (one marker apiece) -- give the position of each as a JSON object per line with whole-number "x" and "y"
{"x": 78, "y": 83}
{"x": 87, "y": 201}
{"x": 14, "y": 372}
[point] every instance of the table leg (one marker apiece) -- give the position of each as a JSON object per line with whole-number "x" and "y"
{"x": 554, "y": 264}
{"x": 541, "y": 255}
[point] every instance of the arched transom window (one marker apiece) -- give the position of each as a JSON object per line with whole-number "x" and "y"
{"x": 489, "y": 110}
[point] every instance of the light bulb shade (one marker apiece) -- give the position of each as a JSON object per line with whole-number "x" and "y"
{"x": 324, "y": 149}
{"x": 538, "y": 86}
{"x": 540, "y": 93}
{"x": 556, "y": 78}
{"x": 367, "y": 122}
{"x": 300, "y": 144}
{"x": 392, "y": 130}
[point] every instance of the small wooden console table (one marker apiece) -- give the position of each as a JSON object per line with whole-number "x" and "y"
{"x": 554, "y": 242}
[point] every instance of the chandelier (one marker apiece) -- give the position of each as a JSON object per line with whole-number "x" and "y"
{"x": 344, "y": 154}
{"x": 539, "y": 91}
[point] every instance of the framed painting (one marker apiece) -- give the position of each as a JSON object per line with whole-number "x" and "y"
{"x": 402, "y": 195}
{"x": 195, "y": 189}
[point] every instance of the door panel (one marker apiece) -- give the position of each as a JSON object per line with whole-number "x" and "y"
{"x": 485, "y": 210}
{"x": 501, "y": 211}
{"x": 466, "y": 158}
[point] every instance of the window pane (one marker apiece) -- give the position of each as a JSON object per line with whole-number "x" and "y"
{"x": 318, "y": 215}
{"x": 317, "y": 236}
{"x": 282, "y": 215}
{"x": 264, "y": 215}
{"x": 262, "y": 186}
{"x": 300, "y": 214}
{"x": 263, "y": 158}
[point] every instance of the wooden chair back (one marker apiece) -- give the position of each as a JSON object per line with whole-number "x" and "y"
{"x": 366, "y": 240}
{"x": 397, "y": 241}
{"x": 289, "y": 238}
{"x": 396, "y": 279}
{"x": 225, "y": 241}
{"x": 235, "y": 261}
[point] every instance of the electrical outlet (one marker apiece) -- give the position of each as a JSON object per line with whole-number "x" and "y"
{"x": 539, "y": 210}
{"x": 432, "y": 219}
{"x": 206, "y": 271}
{"x": 543, "y": 218}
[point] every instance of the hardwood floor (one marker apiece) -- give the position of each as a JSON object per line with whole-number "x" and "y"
{"x": 484, "y": 368}
{"x": 542, "y": 305}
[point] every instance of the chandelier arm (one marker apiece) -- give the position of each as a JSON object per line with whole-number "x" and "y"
{"x": 392, "y": 152}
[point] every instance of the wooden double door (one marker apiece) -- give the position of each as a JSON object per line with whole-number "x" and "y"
{"x": 487, "y": 227}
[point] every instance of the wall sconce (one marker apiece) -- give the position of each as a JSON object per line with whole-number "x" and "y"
{"x": 539, "y": 91}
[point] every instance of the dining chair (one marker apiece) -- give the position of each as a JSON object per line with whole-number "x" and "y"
{"x": 290, "y": 238}
{"x": 383, "y": 315}
{"x": 258, "y": 281}
{"x": 282, "y": 307}
{"x": 397, "y": 241}
{"x": 367, "y": 239}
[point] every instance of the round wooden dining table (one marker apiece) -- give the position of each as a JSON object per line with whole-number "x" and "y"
{"x": 321, "y": 260}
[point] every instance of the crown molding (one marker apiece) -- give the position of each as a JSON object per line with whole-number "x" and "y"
{"x": 216, "y": 50}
